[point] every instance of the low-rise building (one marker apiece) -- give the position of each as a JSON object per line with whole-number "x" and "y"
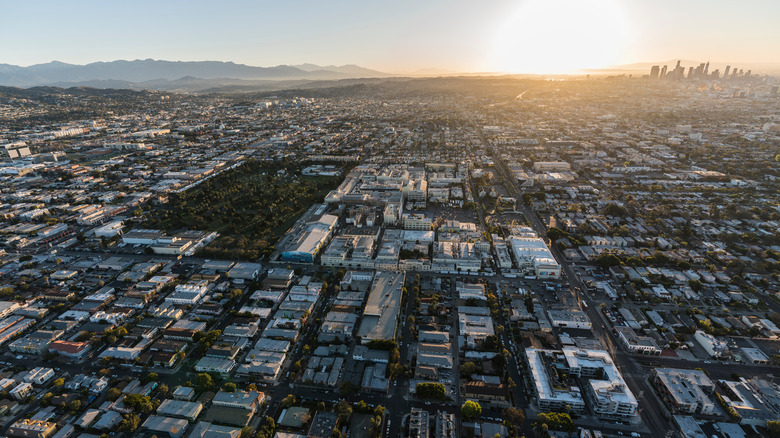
{"x": 417, "y": 221}
{"x": 21, "y": 391}
{"x": 553, "y": 392}
{"x": 419, "y": 423}
{"x": 180, "y": 409}
{"x": 39, "y": 375}
{"x": 712, "y": 345}
{"x": 532, "y": 255}
{"x": 685, "y": 391}
{"x": 172, "y": 427}
{"x": 380, "y": 316}
{"x": 635, "y": 343}
{"x": 32, "y": 428}
{"x": 575, "y": 319}
{"x": 249, "y": 400}
{"x": 610, "y": 397}
{"x": 755, "y": 401}
{"x": 187, "y": 294}
{"x": 215, "y": 365}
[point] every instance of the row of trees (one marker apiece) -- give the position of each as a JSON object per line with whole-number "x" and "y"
{"x": 433, "y": 390}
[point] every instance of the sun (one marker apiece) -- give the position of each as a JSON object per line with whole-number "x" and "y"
{"x": 560, "y": 36}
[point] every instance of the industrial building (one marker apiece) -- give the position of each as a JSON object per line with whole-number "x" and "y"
{"x": 380, "y": 316}
{"x": 308, "y": 244}
{"x": 532, "y": 255}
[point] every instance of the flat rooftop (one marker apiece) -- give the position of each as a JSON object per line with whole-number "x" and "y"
{"x": 384, "y": 303}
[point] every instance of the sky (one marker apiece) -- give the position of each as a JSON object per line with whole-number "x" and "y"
{"x": 399, "y": 36}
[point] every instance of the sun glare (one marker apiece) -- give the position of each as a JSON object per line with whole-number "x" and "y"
{"x": 560, "y": 36}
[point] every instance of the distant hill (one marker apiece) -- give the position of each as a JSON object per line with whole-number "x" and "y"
{"x": 130, "y": 74}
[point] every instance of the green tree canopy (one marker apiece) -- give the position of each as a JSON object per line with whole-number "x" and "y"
{"x": 470, "y": 410}
{"x": 431, "y": 390}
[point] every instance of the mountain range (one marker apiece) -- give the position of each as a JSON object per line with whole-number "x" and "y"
{"x": 149, "y": 73}
{"x": 216, "y": 76}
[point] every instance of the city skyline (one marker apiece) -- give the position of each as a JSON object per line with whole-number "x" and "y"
{"x": 559, "y": 36}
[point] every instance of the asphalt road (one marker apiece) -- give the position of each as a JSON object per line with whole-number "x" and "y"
{"x": 651, "y": 410}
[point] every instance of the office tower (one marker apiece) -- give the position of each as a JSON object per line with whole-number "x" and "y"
{"x": 690, "y": 72}
{"x": 654, "y": 72}
{"x": 716, "y": 74}
{"x": 747, "y": 75}
{"x": 726, "y": 73}
{"x": 699, "y": 72}
{"x": 707, "y": 68}
{"x": 663, "y": 73}
{"x": 679, "y": 71}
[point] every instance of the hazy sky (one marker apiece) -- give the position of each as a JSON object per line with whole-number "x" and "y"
{"x": 395, "y": 36}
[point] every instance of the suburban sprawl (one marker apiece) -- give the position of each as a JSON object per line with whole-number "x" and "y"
{"x": 451, "y": 257}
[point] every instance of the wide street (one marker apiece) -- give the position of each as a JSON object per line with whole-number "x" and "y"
{"x": 651, "y": 410}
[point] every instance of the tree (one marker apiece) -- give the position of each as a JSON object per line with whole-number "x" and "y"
{"x": 470, "y": 410}
{"x": 490, "y": 343}
{"x": 58, "y": 383}
{"x": 204, "y": 382}
{"x": 151, "y": 377}
{"x": 607, "y": 260}
{"x": 321, "y": 406}
{"x": 138, "y": 403}
{"x": 614, "y": 210}
{"x": 556, "y": 421}
{"x": 229, "y": 387}
{"x": 288, "y": 401}
{"x": 362, "y": 407}
{"x": 514, "y": 416}
{"x": 348, "y": 388}
{"x": 344, "y": 411}
{"x": 113, "y": 394}
{"x": 267, "y": 429}
{"x": 74, "y": 405}
{"x": 468, "y": 369}
{"x": 773, "y": 426}
{"x": 431, "y": 390}
{"x": 47, "y": 399}
{"x": 163, "y": 389}
{"x": 130, "y": 422}
{"x": 375, "y": 424}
